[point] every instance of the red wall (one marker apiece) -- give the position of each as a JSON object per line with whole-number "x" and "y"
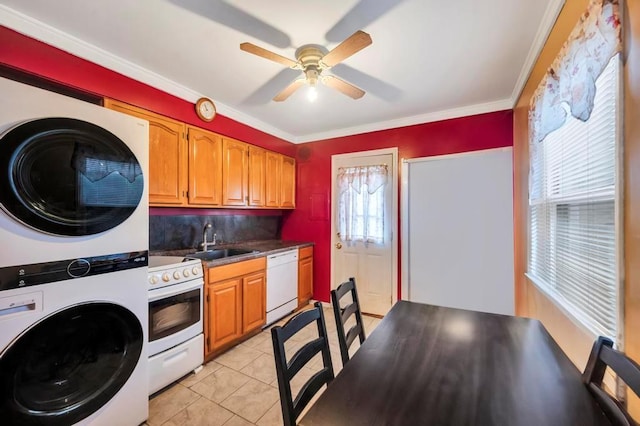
{"x": 35, "y": 57}
{"x": 311, "y": 220}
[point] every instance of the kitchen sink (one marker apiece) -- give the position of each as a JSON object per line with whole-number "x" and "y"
{"x": 219, "y": 253}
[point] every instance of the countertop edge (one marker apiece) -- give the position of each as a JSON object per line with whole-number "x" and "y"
{"x": 265, "y": 248}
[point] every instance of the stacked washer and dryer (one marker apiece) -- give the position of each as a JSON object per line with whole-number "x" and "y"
{"x": 73, "y": 257}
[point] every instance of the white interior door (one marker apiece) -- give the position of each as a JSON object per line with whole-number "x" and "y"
{"x": 363, "y": 245}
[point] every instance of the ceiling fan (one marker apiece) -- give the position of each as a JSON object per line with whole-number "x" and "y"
{"x": 312, "y": 60}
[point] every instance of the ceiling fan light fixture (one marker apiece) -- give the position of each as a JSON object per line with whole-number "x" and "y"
{"x": 312, "y": 74}
{"x": 312, "y": 93}
{"x": 312, "y": 59}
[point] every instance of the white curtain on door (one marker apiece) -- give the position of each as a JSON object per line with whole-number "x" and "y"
{"x": 361, "y": 203}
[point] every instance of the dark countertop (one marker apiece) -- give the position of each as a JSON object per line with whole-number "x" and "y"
{"x": 264, "y": 248}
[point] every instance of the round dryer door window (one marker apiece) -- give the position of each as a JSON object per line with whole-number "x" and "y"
{"x": 69, "y": 365}
{"x": 68, "y": 177}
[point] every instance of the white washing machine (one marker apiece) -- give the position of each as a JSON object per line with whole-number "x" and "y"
{"x": 73, "y": 257}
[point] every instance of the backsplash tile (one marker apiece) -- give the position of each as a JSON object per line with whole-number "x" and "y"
{"x": 185, "y": 231}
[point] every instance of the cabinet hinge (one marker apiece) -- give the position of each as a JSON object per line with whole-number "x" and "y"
{"x": 186, "y": 136}
{"x": 207, "y": 342}
{"x": 207, "y": 297}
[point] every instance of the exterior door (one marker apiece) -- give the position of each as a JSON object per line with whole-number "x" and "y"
{"x": 363, "y": 223}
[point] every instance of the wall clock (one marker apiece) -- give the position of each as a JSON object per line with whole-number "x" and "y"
{"x": 205, "y": 109}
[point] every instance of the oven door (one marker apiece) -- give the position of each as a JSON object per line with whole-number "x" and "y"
{"x": 68, "y": 177}
{"x": 175, "y": 315}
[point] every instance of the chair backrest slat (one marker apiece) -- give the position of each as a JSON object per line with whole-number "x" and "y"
{"x": 310, "y": 388}
{"x": 286, "y": 371}
{"x": 624, "y": 367}
{"x": 303, "y": 356}
{"x": 602, "y": 356}
{"x": 342, "y": 315}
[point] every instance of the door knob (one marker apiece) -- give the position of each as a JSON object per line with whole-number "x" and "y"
{"x": 338, "y": 246}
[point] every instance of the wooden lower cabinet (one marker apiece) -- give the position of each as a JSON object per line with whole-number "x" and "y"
{"x": 305, "y": 275}
{"x": 235, "y": 303}
{"x": 254, "y": 297}
{"x": 224, "y": 312}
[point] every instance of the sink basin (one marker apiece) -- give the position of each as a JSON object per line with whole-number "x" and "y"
{"x": 219, "y": 254}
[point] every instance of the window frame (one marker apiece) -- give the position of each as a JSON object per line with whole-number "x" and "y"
{"x": 554, "y": 296}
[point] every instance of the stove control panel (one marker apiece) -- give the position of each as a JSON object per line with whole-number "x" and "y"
{"x": 166, "y": 273}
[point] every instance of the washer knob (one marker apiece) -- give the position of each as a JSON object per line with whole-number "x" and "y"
{"x": 186, "y": 273}
{"x": 196, "y": 270}
{"x": 153, "y": 279}
{"x": 166, "y": 277}
{"x": 176, "y": 275}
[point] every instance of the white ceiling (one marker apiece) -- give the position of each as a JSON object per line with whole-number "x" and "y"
{"x": 430, "y": 59}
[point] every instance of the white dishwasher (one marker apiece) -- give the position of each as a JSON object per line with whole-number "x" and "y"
{"x": 282, "y": 284}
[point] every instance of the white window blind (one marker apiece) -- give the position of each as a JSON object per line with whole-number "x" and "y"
{"x": 572, "y": 211}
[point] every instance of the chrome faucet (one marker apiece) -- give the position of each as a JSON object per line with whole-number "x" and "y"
{"x": 205, "y": 244}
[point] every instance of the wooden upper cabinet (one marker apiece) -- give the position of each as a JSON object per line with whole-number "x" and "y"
{"x": 205, "y": 167}
{"x": 257, "y": 162}
{"x": 288, "y": 183}
{"x": 168, "y": 161}
{"x": 272, "y": 179}
{"x": 234, "y": 172}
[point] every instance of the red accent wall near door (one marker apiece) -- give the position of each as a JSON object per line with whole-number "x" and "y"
{"x": 311, "y": 220}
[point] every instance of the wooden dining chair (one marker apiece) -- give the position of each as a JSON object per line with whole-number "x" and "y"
{"x": 286, "y": 371}
{"x": 342, "y": 314}
{"x": 602, "y": 356}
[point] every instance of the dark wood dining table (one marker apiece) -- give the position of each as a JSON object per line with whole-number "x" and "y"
{"x": 431, "y": 365}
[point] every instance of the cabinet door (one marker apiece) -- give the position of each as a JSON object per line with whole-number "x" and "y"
{"x": 272, "y": 178}
{"x": 257, "y": 158}
{"x": 225, "y": 313}
{"x": 205, "y": 167}
{"x": 234, "y": 173}
{"x": 254, "y": 301}
{"x": 288, "y": 183}
{"x": 167, "y": 155}
{"x": 305, "y": 280}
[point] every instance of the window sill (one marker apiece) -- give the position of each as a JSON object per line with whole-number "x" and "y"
{"x": 574, "y": 316}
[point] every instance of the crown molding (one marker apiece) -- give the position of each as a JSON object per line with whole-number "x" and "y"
{"x": 47, "y": 34}
{"x": 544, "y": 29}
{"x": 43, "y": 32}
{"x": 409, "y": 121}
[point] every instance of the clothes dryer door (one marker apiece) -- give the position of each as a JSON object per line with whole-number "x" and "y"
{"x": 69, "y": 365}
{"x": 67, "y": 177}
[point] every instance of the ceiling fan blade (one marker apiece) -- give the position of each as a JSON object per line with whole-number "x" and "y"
{"x": 355, "y": 43}
{"x": 267, "y": 54}
{"x": 342, "y": 86}
{"x": 288, "y": 91}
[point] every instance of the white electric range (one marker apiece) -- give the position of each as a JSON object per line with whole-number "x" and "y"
{"x": 176, "y": 341}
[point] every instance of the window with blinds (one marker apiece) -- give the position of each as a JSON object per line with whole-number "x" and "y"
{"x": 572, "y": 211}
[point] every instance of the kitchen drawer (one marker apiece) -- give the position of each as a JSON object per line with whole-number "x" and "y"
{"x": 232, "y": 270}
{"x": 306, "y": 252}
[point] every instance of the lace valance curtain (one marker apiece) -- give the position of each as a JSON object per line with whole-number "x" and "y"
{"x": 361, "y": 203}
{"x": 569, "y": 84}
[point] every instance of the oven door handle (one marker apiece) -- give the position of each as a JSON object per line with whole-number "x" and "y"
{"x": 173, "y": 290}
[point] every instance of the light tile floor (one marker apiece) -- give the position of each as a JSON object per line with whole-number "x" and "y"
{"x": 239, "y": 387}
